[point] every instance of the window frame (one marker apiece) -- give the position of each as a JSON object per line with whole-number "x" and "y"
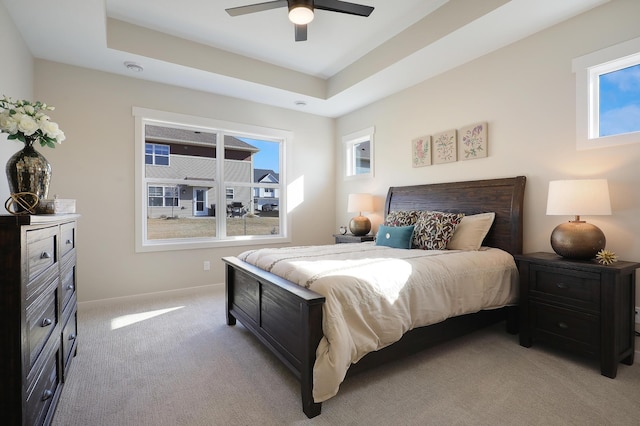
{"x": 588, "y": 69}
{"x": 349, "y": 142}
{"x": 143, "y": 116}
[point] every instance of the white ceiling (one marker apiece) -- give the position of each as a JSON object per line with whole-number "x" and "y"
{"x": 346, "y": 63}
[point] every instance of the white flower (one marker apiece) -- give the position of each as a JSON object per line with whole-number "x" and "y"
{"x": 49, "y": 128}
{"x": 26, "y": 122}
{"x": 8, "y": 123}
{"x": 27, "y": 125}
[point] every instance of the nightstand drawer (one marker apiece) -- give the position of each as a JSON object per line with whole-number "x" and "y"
{"x": 575, "y": 331}
{"x": 578, "y": 288}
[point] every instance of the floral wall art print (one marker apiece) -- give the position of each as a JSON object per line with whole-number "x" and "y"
{"x": 473, "y": 141}
{"x": 444, "y": 147}
{"x": 421, "y": 151}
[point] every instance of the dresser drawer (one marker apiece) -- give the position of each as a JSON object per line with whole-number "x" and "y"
{"x": 44, "y": 389}
{"x": 575, "y": 331}
{"x": 41, "y": 251}
{"x": 577, "y": 288}
{"x": 67, "y": 237}
{"x": 69, "y": 336}
{"x": 42, "y": 318}
{"x": 68, "y": 277}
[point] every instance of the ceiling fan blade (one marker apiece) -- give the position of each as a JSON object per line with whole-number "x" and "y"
{"x": 258, "y": 7}
{"x": 343, "y": 7}
{"x": 301, "y": 33}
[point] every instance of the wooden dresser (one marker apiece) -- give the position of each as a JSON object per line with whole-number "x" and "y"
{"x": 38, "y": 320}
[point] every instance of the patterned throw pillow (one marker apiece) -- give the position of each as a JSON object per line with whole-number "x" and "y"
{"x": 433, "y": 230}
{"x": 402, "y": 218}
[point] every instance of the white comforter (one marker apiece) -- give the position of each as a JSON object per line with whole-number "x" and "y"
{"x": 375, "y": 294}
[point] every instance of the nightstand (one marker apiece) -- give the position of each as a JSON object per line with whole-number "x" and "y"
{"x": 350, "y": 238}
{"x": 577, "y": 305}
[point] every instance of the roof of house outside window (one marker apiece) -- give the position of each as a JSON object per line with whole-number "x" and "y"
{"x": 174, "y": 135}
{"x": 259, "y": 175}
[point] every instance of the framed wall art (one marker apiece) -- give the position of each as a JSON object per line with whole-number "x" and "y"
{"x": 444, "y": 147}
{"x": 421, "y": 151}
{"x": 473, "y": 141}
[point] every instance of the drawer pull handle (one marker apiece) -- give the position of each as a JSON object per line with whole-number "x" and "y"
{"x": 46, "y": 394}
{"x": 68, "y": 242}
{"x": 72, "y": 336}
{"x": 563, "y": 325}
{"x": 70, "y": 287}
{"x": 45, "y": 255}
{"x": 46, "y": 322}
{"x": 562, "y": 285}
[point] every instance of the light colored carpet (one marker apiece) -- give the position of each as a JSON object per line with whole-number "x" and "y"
{"x": 170, "y": 359}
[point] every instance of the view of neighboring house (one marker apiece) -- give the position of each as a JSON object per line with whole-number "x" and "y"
{"x": 266, "y": 199}
{"x": 181, "y": 167}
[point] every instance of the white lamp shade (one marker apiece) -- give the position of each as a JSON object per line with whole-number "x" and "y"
{"x": 360, "y": 203}
{"x": 583, "y": 197}
{"x": 301, "y": 15}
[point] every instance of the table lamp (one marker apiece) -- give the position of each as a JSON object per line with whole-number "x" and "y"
{"x": 578, "y": 239}
{"x": 360, "y": 225}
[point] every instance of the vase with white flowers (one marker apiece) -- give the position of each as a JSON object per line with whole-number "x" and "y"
{"x": 28, "y": 172}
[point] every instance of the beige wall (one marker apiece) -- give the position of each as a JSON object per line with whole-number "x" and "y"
{"x": 16, "y": 81}
{"x": 526, "y": 93}
{"x": 95, "y": 165}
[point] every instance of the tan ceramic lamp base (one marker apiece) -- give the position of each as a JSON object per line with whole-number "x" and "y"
{"x": 577, "y": 240}
{"x": 360, "y": 225}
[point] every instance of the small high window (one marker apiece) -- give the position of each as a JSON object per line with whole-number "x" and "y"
{"x": 608, "y": 96}
{"x": 359, "y": 154}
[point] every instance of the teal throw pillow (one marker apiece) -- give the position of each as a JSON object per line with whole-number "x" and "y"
{"x": 395, "y": 236}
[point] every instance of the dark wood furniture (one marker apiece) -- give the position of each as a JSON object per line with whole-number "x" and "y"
{"x": 287, "y": 318}
{"x": 579, "y": 305}
{"x": 350, "y": 238}
{"x": 38, "y": 320}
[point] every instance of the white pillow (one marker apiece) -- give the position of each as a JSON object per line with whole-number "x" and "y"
{"x": 471, "y": 231}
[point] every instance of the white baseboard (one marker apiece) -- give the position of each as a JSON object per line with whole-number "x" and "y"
{"x": 188, "y": 290}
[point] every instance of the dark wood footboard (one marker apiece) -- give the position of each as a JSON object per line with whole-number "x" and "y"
{"x": 285, "y": 317}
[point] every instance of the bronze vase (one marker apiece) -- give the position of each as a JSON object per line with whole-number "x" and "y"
{"x": 28, "y": 171}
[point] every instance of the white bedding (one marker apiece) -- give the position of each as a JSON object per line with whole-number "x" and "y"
{"x": 375, "y": 294}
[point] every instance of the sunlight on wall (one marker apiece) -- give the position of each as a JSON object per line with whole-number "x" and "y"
{"x": 295, "y": 194}
{"x": 126, "y": 320}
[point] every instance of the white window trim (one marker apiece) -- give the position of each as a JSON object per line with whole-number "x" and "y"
{"x": 348, "y": 142}
{"x": 143, "y": 116}
{"x": 585, "y": 68}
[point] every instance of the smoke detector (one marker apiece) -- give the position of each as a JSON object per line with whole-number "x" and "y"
{"x": 132, "y": 66}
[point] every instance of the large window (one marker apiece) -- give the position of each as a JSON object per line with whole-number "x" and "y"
{"x": 608, "y": 96}
{"x": 213, "y": 186}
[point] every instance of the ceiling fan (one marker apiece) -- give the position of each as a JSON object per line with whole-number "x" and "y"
{"x": 301, "y": 11}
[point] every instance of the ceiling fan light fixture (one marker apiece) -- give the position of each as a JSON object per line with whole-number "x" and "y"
{"x": 301, "y": 13}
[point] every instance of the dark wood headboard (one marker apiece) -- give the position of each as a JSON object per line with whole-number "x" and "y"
{"x": 503, "y": 196}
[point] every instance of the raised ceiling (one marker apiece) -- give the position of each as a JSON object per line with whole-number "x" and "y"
{"x": 346, "y": 63}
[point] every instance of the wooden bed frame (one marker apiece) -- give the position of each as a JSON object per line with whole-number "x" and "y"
{"x": 287, "y": 318}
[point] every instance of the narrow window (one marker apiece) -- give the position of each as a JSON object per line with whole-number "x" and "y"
{"x": 358, "y": 154}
